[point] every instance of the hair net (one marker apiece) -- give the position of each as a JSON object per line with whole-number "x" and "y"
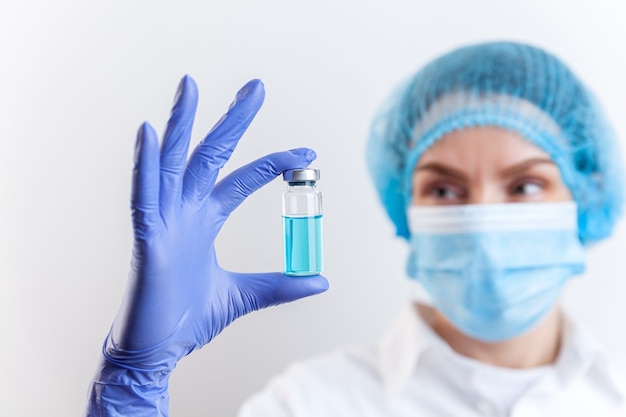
{"x": 510, "y": 85}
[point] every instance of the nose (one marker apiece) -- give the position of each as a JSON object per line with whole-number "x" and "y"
{"x": 485, "y": 194}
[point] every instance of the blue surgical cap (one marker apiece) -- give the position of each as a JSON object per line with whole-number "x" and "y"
{"x": 509, "y": 85}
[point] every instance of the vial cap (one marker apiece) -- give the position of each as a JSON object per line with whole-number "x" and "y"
{"x": 301, "y": 175}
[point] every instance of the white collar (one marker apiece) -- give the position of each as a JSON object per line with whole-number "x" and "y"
{"x": 409, "y": 337}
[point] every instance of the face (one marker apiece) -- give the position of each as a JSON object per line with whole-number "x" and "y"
{"x": 486, "y": 165}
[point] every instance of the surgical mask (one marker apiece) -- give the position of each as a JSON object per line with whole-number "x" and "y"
{"x": 495, "y": 270}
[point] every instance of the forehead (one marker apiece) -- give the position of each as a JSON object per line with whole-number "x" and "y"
{"x": 489, "y": 145}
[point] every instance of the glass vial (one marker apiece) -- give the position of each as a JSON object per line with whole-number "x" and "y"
{"x": 302, "y": 223}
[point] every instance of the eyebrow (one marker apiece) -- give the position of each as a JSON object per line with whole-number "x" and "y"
{"x": 442, "y": 170}
{"x": 507, "y": 172}
{"x": 524, "y": 165}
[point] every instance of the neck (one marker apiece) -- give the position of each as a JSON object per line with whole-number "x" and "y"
{"x": 537, "y": 347}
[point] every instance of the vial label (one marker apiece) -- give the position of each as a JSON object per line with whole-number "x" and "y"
{"x": 303, "y": 245}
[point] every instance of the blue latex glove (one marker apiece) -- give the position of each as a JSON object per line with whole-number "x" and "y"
{"x": 178, "y": 297}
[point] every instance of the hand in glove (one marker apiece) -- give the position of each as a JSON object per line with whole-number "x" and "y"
{"x": 178, "y": 297}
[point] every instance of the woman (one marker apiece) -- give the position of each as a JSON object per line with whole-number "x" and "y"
{"x": 497, "y": 166}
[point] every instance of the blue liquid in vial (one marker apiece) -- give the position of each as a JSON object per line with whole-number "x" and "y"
{"x": 303, "y": 245}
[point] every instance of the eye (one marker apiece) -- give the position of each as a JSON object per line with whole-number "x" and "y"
{"x": 445, "y": 193}
{"x": 527, "y": 188}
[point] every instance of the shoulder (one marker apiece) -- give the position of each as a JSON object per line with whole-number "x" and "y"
{"x": 332, "y": 382}
{"x": 594, "y": 375}
{"x": 350, "y": 381}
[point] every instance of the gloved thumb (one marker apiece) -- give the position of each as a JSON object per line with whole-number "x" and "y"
{"x": 260, "y": 290}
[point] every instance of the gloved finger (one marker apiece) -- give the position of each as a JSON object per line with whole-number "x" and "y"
{"x": 176, "y": 142}
{"x": 260, "y": 290}
{"x": 145, "y": 187}
{"x": 239, "y": 184}
{"x": 215, "y": 150}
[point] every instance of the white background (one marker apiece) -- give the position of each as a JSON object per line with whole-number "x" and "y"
{"x": 76, "y": 80}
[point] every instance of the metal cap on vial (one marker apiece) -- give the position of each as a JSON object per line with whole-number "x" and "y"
{"x": 301, "y": 175}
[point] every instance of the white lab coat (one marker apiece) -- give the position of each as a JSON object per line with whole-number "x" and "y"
{"x": 412, "y": 372}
